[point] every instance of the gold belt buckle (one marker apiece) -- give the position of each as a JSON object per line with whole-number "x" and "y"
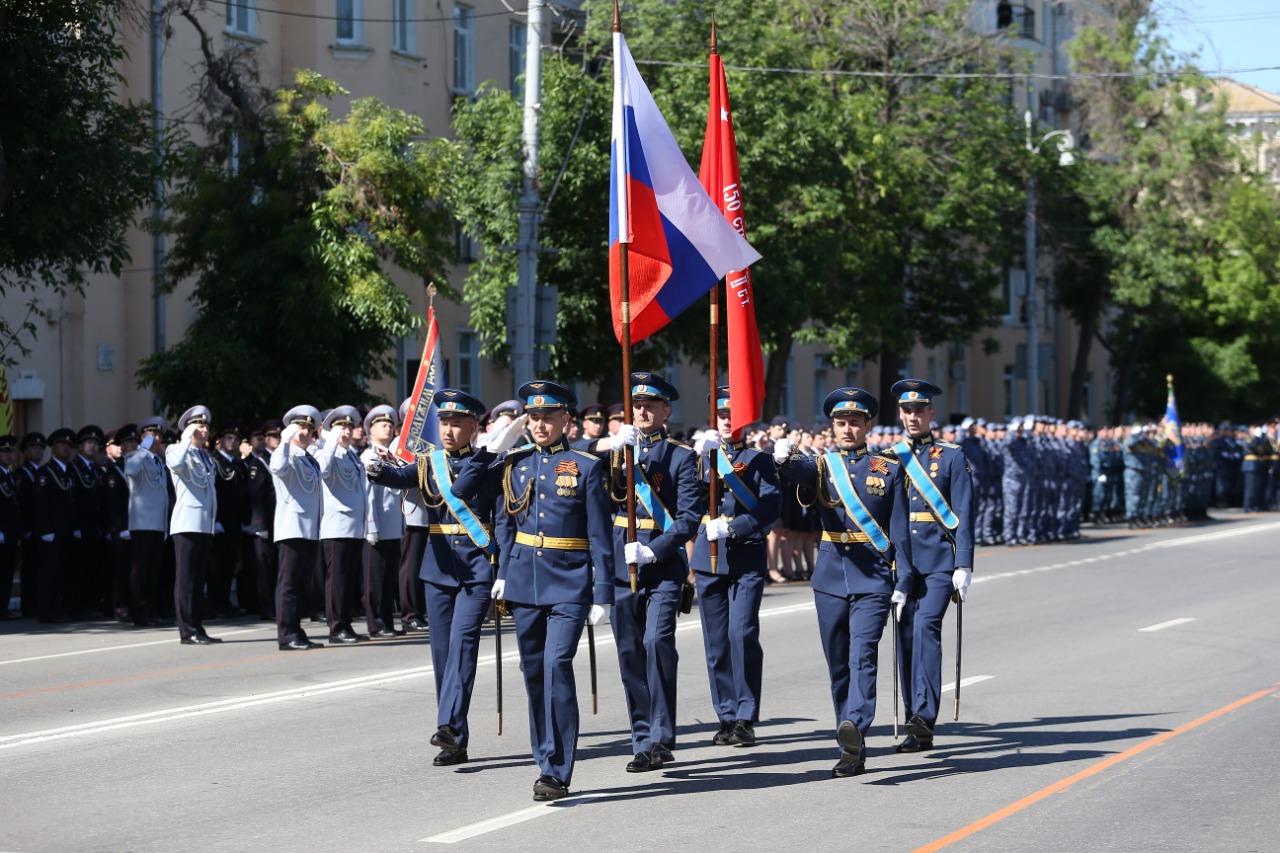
{"x": 844, "y": 536}
{"x": 537, "y": 540}
{"x": 456, "y": 529}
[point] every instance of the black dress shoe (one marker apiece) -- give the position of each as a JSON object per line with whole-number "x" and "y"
{"x": 663, "y": 753}
{"x": 414, "y": 625}
{"x": 346, "y": 635}
{"x": 209, "y": 639}
{"x": 744, "y": 734}
{"x": 449, "y": 757}
{"x": 319, "y": 617}
{"x": 643, "y": 763}
{"x": 849, "y": 738}
{"x": 849, "y": 765}
{"x": 918, "y": 728}
{"x": 446, "y": 737}
{"x": 198, "y": 640}
{"x": 300, "y": 646}
{"x": 913, "y": 744}
{"x": 384, "y": 634}
{"x": 724, "y": 737}
{"x": 549, "y": 788}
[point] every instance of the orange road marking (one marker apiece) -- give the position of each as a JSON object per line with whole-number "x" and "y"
{"x": 125, "y": 678}
{"x": 1092, "y": 770}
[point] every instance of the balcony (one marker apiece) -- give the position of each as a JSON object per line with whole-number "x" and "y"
{"x": 1016, "y": 19}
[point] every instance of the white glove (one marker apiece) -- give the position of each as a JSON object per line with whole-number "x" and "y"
{"x": 598, "y": 612}
{"x": 717, "y": 528}
{"x": 371, "y": 537}
{"x": 499, "y": 587}
{"x": 75, "y": 534}
{"x": 125, "y": 536}
{"x": 287, "y": 434}
{"x": 960, "y": 580}
{"x": 502, "y": 440}
{"x": 48, "y": 537}
{"x": 373, "y": 468}
{"x": 187, "y": 433}
{"x": 707, "y": 444}
{"x": 639, "y": 554}
{"x": 218, "y": 529}
{"x": 898, "y": 600}
{"x": 147, "y": 440}
{"x": 781, "y": 450}
{"x": 1102, "y": 478}
{"x": 626, "y": 434}
{"x": 264, "y": 534}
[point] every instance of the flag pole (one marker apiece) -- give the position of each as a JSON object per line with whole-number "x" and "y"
{"x": 628, "y": 452}
{"x": 713, "y": 504}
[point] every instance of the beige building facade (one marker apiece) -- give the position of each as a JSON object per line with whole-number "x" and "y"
{"x": 418, "y": 57}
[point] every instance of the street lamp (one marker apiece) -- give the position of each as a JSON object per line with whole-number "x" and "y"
{"x": 1066, "y": 143}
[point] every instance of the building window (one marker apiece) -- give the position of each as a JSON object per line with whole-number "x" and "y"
{"x": 784, "y": 393}
{"x": 1015, "y": 286}
{"x": 464, "y": 50}
{"x": 242, "y": 17}
{"x": 468, "y": 250}
{"x": 405, "y": 32}
{"x": 519, "y": 38}
{"x": 468, "y": 378}
{"x": 350, "y": 26}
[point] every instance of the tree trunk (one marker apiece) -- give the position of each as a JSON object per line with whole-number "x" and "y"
{"x": 775, "y": 374}
{"x": 890, "y": 364}
{"x": 1125, "y": 375}
{"x": 1075, "y": 402}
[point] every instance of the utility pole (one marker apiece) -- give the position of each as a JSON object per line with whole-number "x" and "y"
{"x": 525, "y": 322}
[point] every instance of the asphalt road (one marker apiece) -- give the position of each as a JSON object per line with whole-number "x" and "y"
{"x": 1120, "y": 693}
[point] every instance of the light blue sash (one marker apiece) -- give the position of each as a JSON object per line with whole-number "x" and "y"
{"x": 734, "y": 482}
{"x": 853, "y": 504}
{"x": 924, "y": 485}
{"x": 657, "y": 511}
{"x": 457, "y": 507}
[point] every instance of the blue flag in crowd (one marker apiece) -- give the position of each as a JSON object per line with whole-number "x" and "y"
{"x": 1174, "y": 450}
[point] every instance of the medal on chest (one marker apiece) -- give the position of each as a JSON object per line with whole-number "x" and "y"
{"x": 875, "y": 485}
{"x": 567, "y": 478}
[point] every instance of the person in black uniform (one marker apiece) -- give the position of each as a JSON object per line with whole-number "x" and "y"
{"x": 668, "y": 507}
{"x": 91, "y": 580}
{"x": 32, "y": 447}
{"x": 262, "y": 509}
{"x": 116, "y": 503}
{"x": 593, "y": 428}
{"x": 730, "y": 592}
{"x": 232, "y": 487}
{"x": 553, "y": 527}
{"x": 10, "y": 521}
{"x": 54, "y": 513}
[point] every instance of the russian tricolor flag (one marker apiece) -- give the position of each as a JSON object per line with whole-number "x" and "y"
{"x": 679, "y": 243}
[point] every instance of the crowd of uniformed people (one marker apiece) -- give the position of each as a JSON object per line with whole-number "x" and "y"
{"x": 553, "y": 516}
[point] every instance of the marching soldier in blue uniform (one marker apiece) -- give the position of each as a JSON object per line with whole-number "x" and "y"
{"x": 864, "y": 530}
{"x": 457, "y": 565}
{"x": 1257, "y": 459}
{"x": 296, "y": 526}
{"x": 342, "y": 525}
{"x": 148, "y": 478}
{"x": 938, "y": 488}
{"x": 413, "y": 600}
{"x": 384, "y": 528}
{"x": 729, "y": 597}
{"x": 192, "y": 522}
{"x": 553, "y": 525}
{"x": 667, "y": 511}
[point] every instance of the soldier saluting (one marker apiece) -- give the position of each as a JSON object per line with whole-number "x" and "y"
{"x": 864, "y": 529}
{"x": 554, "y": 524}
{"x": 192, "y": 522}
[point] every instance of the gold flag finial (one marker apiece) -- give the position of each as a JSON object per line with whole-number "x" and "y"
{"x": 431, "y": 294}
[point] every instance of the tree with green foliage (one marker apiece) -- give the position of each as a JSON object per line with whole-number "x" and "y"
{"x": 76, "y": 162}
{"x": 291, "y": 222}
{"x": 878, "y": 202}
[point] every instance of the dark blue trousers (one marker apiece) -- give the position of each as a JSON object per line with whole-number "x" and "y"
{"x": 644, "y": 630}
{"x": 920, "y": 653}
{"x": 456, "y": 615}
{"x": 547, "y": 637}
{"x": 851, "y": 626}
{"x": 730, "y": 609}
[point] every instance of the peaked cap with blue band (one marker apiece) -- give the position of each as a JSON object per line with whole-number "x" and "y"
{"x": 651, "y": 386}
{"x": 543, "y": 396}
{"x": 452, "y": 403}
{"x": 722, "y": 398}
{"x": 850, "y": 401}
{"x": 915, "y": 392}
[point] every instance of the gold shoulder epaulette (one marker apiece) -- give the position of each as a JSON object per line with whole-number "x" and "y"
{"x": 947, "y": 444}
